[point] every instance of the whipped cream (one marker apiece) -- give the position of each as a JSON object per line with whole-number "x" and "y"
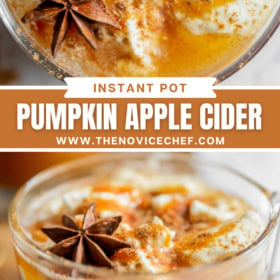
{"x": 242, "y": 17}
{"x": 209, "y": 246}
{"x": 148, "y": 236}
{"x": 152, "y": 178}
{"x": 145, "y": 25}
{"x": 167, "y": 213}
{"x": 147, "y": 239}
{"x": 56, "y": 202}
{"x": 224, "y": 240}
{"x": 225, "y": 209}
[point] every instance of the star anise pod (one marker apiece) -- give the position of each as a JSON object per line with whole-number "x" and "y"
{"x": 81, "y": 12}
{"x": 91, "y": 243}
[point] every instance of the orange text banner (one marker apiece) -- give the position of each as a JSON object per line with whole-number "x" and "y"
{"x": 44, "y": 118}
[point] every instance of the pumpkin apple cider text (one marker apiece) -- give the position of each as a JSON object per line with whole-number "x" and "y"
{"x": 138, "y": 116}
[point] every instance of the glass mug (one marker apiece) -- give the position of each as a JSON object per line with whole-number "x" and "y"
{"x": 230, "y": 67}
{"x": 253, "y": 263}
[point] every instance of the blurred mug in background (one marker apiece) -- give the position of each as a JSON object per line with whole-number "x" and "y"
{"x": 17, "y": 168}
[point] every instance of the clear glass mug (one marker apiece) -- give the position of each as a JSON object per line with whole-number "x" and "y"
{"x": 254, "y": 263}
{"x": 233, "y": 65}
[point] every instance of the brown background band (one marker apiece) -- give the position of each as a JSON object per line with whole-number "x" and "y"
{"x": 268, "y": 137}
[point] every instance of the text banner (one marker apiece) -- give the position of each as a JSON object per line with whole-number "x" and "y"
{"x": 44, "y": 119}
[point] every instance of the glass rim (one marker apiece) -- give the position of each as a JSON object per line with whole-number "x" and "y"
{"x": 272, "y": 197}
{"x": 61, "y": 73}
